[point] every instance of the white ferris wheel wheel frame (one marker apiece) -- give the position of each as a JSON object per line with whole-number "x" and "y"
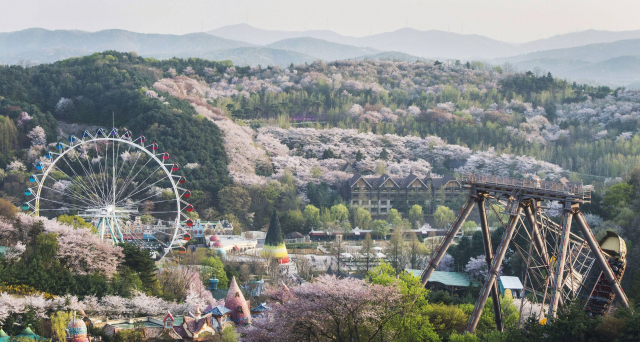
{"x": 80, "y": 142}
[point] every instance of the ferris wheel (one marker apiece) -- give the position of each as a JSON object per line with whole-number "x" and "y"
{"x": 127, "y": 189}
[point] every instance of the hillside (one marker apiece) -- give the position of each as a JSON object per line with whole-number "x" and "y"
{"x": 620, "y": 70}
{"x": 321, "y": 49}
{"x": 254, "y": 56}
{"x": 391, "y": 56}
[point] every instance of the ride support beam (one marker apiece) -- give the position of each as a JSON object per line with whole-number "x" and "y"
{"x": 488, "y": 254}
{"x": 538, "y": 239}
{"x": 558, "y": 278}
{"x": 490, "y": 281}
{"x": 442, "y": 249}
{"x": 602, "y": 261}
{"x": 539, "y": 244}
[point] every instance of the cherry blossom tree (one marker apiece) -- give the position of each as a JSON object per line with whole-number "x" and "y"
{"x": 79, "y": 249}
{"x": 24, "y": 118}
{"x": 329, "y": 309}
{"x": 16, "y": 165}
{"x": 38, "y": 136}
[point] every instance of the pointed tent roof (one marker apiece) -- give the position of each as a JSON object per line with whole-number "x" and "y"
{"x": 3, "y": 336}
{"x": 237, "y": 304}
{"x": 29, "y": 334}
{"x": 274, "y": 234}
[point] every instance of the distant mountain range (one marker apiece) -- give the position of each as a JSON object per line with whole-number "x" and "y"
{"x": 598, "y": 57}
{"x": 44, "y": 46}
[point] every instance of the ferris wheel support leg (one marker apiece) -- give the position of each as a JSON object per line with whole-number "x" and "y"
{"x": 490, "y": 281}
{"x": 602, "y": 261}
{"x": 442, "y": 249}
{"x": 558, "y": 278}
{"x": 488, "y": 253}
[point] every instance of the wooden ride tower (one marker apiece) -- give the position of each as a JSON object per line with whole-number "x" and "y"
{"x": 522, "y": 199}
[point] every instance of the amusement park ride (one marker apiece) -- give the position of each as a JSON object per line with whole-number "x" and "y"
{"x": 107, "y": 178}
{"x": 560, "y": 264}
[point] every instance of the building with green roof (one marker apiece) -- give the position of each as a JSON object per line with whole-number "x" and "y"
{"x": 3, "y": 336}
{"x": 449, "y": 281}
{"x": 27, "y": 333}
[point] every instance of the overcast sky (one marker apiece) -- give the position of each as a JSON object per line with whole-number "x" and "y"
{"x": 507, "y": 20}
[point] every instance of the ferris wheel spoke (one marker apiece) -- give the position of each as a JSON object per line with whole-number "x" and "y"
{"x": 116, "y": 175}
{"x": 76, "y": 207}
{"x": 143, "y": 190}
{"x": 73, "y": 181}
{"x": 112, "y": 180}
{"x": 126, "y": 181}
{"x": 124, "y": 187}
{"x": 136, "y": 191}
{"x": 101, "y": 171}
{"x": 78, "y": 181}
{"x": 106, "y": 178}
{"x": 90, "y": 174}
{"x": 137, "y": 202}
{"x": 73, "y": 195}
{"x": 160, "y": 212}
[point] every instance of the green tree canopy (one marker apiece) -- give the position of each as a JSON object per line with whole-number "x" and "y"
{"x": 311, "y": 216}
{"x": 443, "y": 216}
{"x": 213, "y": 266}
{"x": 339, "y": 212}
{"x": 416, "y": 216}
{"x": 361, "y": 218}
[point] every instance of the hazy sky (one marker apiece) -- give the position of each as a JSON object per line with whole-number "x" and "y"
{"x": 508, "y": 20}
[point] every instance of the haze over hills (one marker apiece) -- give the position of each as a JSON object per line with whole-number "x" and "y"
{"x": 256, "y": 56}
{"x": 443, "y": 43}
{"x": 607, "y": 57}
{"x": 322, "y": 49}
{"x": 44, "y": 46}
{"x": 612, "y": 64}
{"x": 426, "y": 44}
{"x": 259, "y": 36}
{"x": 577, "y": 39}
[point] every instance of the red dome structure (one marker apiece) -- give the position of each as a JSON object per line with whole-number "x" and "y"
{"x": 217, "y": 244}
{"x": 214, "y": 238}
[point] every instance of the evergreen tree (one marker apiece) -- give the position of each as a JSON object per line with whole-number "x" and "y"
{"x": 384, "y": 154}
{"x": 140, "y": 261}
{"x": 274, "y": 234}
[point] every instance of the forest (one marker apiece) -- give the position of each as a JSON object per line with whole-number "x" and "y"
{"x": 260, "y": 139}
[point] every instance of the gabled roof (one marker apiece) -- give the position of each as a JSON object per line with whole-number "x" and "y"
{"x": 378, "y": 182}
{"x": 347, "y": 166}
{"x": 353, "y": 180}
{"x": 440, "y": 182}
{"x": 406, "y": 181}
{"x": 513, "y": 283}
{"x": 260, "y": 308}
{"x": 168, "y": 316}
{"x": 219, "y": 310}
{"x": 447, "y": 278}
